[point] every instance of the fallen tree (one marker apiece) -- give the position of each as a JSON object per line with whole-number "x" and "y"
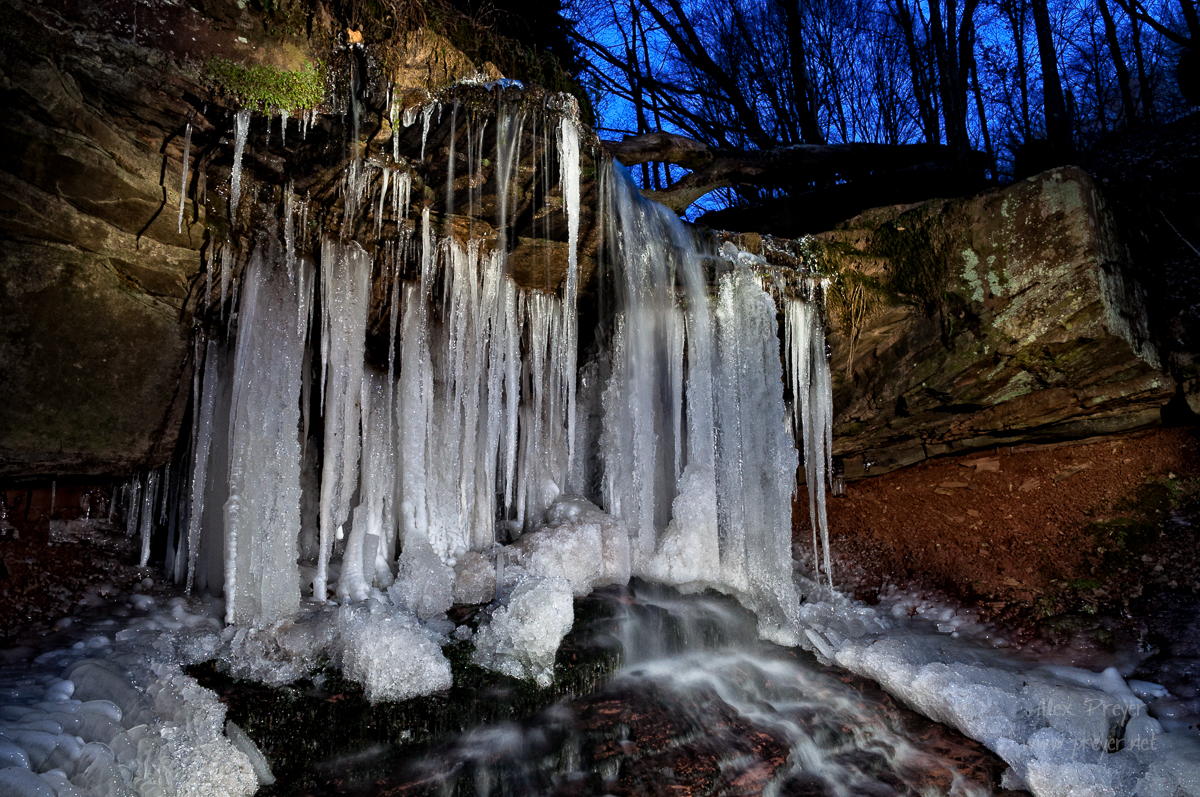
{"x": 797, "y": 168}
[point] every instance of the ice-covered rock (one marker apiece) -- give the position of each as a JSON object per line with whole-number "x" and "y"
{"x": 424, "y": 584}
{"x": 524, "y": 633}
{"x": 389, "y": 653}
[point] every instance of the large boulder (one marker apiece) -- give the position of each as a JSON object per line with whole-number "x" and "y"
{"x": 978, "y": 322}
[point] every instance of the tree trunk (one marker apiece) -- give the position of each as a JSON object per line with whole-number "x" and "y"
{"x": 785, "y": 167}
{"x": 1145, "y": 94}
{"x": 1015, "y": 9}
{"x": 1114, "y": 50}
{"x": 1058, "y": 125}
{"x": 802, "y": 93}
{"x": 979, "y": 108}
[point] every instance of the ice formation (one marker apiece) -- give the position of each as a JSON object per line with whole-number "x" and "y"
{"x": 262, "y": 513}
{"x": 812, "y": 402}
{"x": 111, "y": 712}
{"x": 487, "y": 461}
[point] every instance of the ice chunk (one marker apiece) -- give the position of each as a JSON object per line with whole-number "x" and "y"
{"x": 474, "y": 578}
{"x": 523, "y": 635}
{"x": 424, "y": 584}
{"x": 11, "y": 755}
{"x": 19, "y": 782}
{"x": 389, "y": 654}
{"x": 62, "y": 787}
{"x": 580, "y": 543}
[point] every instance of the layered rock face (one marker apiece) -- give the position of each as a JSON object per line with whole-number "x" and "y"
{"x": 104, "y": 280}
{"x": 972, "y": 323}
{"x": 94, "y": 272}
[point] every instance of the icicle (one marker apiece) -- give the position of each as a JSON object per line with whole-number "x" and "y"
{"x": 383, "y": 192}
{"x": 187, "y": 149}
{"x": 393, "y": 318}
{"x": 508, "y": 138}
{"x": 163, "y": 495}
{"x": 289, "y": 234}
{"x": 426, "y": 118}
{"x": 149, "y": 496}
{"x": 262, "y": 515}
{"x": 450, "y": 163}
{"x": 207, "y": 254}
{"x": 365, "y": 561}
{"x": 201, "y": 446}
{"x": 241, "y": 124}
{"x": 133, "y": 504}
{"x": 226, "y": 271}
{"x": 283, "y": 120}
{"x": 811, "y": 385}
{"x": 394, "y": 116}
{"x": 568, "y": 164}
{"x": 345, "y": 300}
{"x": 401, "y": 196}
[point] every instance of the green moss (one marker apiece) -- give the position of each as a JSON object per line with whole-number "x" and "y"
{"x": 264, "y": 87}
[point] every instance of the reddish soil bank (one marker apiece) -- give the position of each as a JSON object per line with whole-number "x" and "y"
{"x": 1027, "y": 532}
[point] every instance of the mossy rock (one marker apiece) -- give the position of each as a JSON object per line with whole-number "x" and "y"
{"x": 265, "y": 88}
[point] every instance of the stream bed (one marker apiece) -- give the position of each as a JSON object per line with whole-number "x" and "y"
{"x": 698, "y": 706}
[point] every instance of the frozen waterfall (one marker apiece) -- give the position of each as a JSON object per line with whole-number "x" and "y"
{"x": 501, "y": 451}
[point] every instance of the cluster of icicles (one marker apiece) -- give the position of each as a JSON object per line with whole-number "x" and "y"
{"x": 673, "y": 421}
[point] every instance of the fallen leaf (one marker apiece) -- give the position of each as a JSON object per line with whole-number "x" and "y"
{"x": 973, "y": 512}
{"x": 1030, "y": 484}
{"x": 940, "y": 491}
{"x": 1011, "y": 582}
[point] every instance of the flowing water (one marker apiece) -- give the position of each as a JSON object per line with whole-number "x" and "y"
{"x": 701, "y": 706}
